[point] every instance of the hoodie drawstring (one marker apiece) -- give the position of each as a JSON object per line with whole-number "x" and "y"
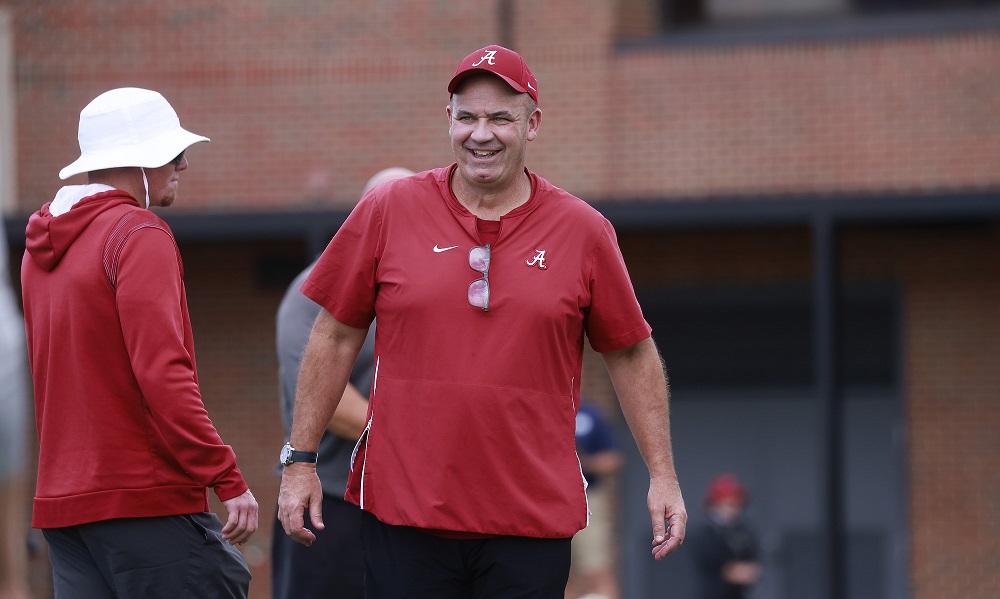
{"x": 145, "y": 186}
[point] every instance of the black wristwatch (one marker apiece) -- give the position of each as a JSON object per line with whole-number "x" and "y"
{"x": 289, "y": 455}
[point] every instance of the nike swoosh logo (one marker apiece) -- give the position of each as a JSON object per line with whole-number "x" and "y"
{"x": 532, "y": 87}
{"x": 439, "y": 250}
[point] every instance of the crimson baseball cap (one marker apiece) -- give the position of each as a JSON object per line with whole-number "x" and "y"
{"x": 502, "y": 62}
{"x": 726, "y": 486}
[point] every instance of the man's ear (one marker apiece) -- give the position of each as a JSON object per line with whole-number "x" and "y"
{"x": 534, "y": 122}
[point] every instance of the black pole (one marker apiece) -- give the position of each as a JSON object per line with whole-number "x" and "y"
{"x": 826, "y": 294}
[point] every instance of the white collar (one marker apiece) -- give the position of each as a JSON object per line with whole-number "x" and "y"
{"x": 69, "y": 195}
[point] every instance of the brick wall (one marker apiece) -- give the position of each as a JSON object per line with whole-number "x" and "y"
{"x": 304, "y": 101}
{"x": 894, "y": 114}
{"x": 952, "y": 348}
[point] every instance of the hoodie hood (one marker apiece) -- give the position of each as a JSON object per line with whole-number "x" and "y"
{"x": 53, "y": 229}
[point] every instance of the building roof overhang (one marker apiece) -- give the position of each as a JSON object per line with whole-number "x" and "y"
{"x": 316, "y": 226}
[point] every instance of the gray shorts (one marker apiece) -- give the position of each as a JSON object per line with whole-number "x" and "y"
{"x": 13, "y": 387}
{"x": 153, "y": 558}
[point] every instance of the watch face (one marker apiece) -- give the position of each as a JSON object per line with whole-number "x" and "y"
{"x": 286, "y": 453}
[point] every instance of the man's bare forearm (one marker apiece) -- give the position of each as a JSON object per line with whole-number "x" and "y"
{"x": 326, "y": 367}
{"x": 641, "y": 385}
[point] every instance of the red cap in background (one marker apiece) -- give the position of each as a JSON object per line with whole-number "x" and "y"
{"x": 726, "y": 486}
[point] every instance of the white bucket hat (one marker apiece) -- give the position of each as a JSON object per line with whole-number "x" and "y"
{"x": 128, "y": 126}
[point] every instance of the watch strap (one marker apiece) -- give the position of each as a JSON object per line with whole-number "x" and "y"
{"x": 302, "y": 456}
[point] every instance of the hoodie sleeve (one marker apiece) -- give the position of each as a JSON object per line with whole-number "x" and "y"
{"x": 145, "y": 268}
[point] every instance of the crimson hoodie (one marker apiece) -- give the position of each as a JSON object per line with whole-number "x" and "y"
{"x": 122, "y": 429}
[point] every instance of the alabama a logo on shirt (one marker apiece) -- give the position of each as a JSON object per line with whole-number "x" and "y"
{"x": 538, "y": 260}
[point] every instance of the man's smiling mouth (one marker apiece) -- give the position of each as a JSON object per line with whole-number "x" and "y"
{"x": 484, "y": 153}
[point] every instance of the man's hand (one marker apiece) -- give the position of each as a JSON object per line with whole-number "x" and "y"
{"x": 242, "y": 520}
{"x": 300, "y": 490}
{"x": 666, "y": 508}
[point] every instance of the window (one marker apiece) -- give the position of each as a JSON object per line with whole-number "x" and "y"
{"x": 681, "y": 13}
{"x": 763, "y": 337}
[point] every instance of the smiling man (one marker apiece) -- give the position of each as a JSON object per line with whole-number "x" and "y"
{"x": 485, "y": 279}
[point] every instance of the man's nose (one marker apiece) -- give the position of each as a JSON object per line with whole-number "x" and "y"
{"x": 482, "y": 130}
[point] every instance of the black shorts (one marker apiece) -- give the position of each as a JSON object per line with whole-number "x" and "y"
{"x": 403, "y": 562}
{"x": 331, "y": 567}
{"x": 165, "y": 557}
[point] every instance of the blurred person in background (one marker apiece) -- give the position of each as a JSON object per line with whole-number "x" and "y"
{"x": 127, "y": 452}
{"x": 592, "y": 569}
{"x": 725, "y": 548}
{"x": 333, "y": 566}
{"x": 13, "y": 438}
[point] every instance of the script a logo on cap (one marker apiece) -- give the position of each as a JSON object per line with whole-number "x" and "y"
{"x": 488, "y": 57}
